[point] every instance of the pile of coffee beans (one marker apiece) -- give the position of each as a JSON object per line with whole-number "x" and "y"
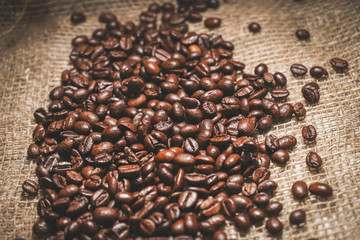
{"x": 154, "y": 133}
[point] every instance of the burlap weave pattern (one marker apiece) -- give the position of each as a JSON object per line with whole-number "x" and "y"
{"x": 35, "y": 38}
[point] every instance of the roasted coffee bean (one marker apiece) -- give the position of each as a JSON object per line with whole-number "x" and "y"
{"x": 273, "y": 208}
{"x": 298, "y": 69}
{"x": 219, "y": 235}
{"x": 187, "y": 199}
{"x": 302, "y": 34}
{"x": 77, "y": 17}
{"x": 254, "y": 27}
{"x": 299, "y": 189}
{"x": 287, "y": 142}
{"x": 191, "y": 224}
{"x": 313, "y": 160}
{"x": 280, "y": 78}
{"x": 309, "y": 133}
{"x": 30, "y": 186}
{"x": 299, "y": 110}
{"x": 105, "y": 215}
{"x": 261, "y": 69}
{"x": 274, "y": 226}
{"x": 297, "y": 217}
{"x": 310, "y": 92}
{"x": 242, "y": 221}
{"x": 339, "y": 64}
{"x": 212, "y": 22}
{"x": 280, "y": 156}
{"x": 261, "y": 199}
{"x": 318, "y": 72}
{"x": 256, "y": 214}
{"x": 279, "y": 94}
{"x": 320, "y": 189}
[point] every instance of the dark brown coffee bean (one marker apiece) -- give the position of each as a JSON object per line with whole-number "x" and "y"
{"x": 77, "y": 17}
{"x": 299, "y": 189}
{"x": 274, "y": 226}
{"x": 254, "y": 27}
{"x": 280, "y": 78}
{"x": 302, "y": 34}
{"x": 242, "y": 221}
{"x": 297, "y": 217}
{"x": 280, "y": 156}
{"x": 265, "y": 123}
{"x": 298, "y": 69}
{"x": 320, "y": 189}
{"x": 310, "y": 92}
{"x": 212, "y": 22}
{"x": 105, "y": 215}
{"x": 313, "y": 160}
{"x": 249, "y": 189}
{"x": 256, "y": 214}
{"x": 339, "y": 64}
{"x": 188, "y": 199}
{"x": 261, "y": 69}
{"x": 318, "y": 72}
{"x": 309, "y": 133}
{"x": 261, "y": 199}
{"x": 279, "y": 94}
{"x": 273, "y": 208}
{"x": 287, "y": 142}
{"x": 30, "y": 186}
{"x": 191, "y": 224}
{"x": 267, "y": 186}
{"x": 219, "y": 235}
{"x": 299, "y": 110}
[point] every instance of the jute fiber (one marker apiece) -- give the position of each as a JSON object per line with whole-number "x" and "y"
{"x": 35, "y": 38}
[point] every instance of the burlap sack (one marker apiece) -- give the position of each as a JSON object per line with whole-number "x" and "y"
{"x": 35, "y": 40}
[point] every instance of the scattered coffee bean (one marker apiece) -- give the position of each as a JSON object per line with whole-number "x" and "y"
{"x": 318, "y": 72}
{"x": 298, "y": 69}
{"x": 242, "y": 221}
{"x": 254, "y": 27}
{"x": 297, "y": 217}
{"x": 339, "y": 64}
{"x": 320, "y": 189}
{"x": 302, "y": 34}
{"x": 313, "y": 160}
{"x": 212, "y": 22}
{"x": 299, "y": 189}
{"x": 309, "y": 133}
{"x": 310, "y": 92}
{"x": 274, "y": 226}
{"x": 78, "y": 17}
{"x": 30, "y": 187}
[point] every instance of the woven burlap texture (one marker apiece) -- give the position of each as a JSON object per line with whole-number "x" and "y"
{"x": 35, "y": 41}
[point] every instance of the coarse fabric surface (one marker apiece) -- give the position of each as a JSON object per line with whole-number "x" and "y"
{"x": 35, "y": 42}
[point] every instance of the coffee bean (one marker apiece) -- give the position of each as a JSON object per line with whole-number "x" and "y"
{"x": 339, "y": 64}
{"x": 302, "y": 34}
{"x": 261, "y": 199}
{"x": 242, "y": 221}
{"x": 104, "y": 215}
{"x": 280, "y": 78}
{"x": 297, "y": 217}
{"x": 318, "y": 72}
{"x": 187, "y": 199}
{"x": 254, "y": 27}
{"x": 219, "y": 235}
{"x": 287, "y": 142}
{"x": 299, "y": 189}
{"x": 274, "y": 226}
{"x": 279, "y": 94}
{"x": 30, "y": 187}
{"x": 310, "y": 92}
{"x": 320, "y": 189}
{"x": 273, "y": 208}
{"x": 212, "y": 22}
{"x": 256, "y": 214}
{"x": 313, "y": 160}
{"x": 309, "y": 133}
{"x": 280, "y": 156}
{"x": 299, "y": 110}
{"x": 77, "y": 17}
{"x": 298, "y": 69}
{"x": 261, "y": 69}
